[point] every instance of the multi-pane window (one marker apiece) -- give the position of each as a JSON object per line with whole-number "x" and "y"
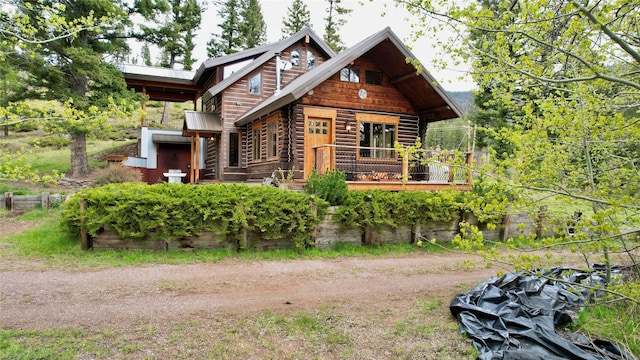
{"x": 311, "y": 59}
{"x": 377, "y": 140}
{"x": 373, "y": 77}
{"x": 256, "y": 130}
{"x": 350, "y": 75}
{"x": 234, "y": 149}
{"x": 295, "y": 57}
{"x": 272, "y": 139}
{"x": 255, "y": 84}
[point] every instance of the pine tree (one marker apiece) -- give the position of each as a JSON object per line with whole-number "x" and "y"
{"x": 173, "y": 24}
{"x": 145, "y": 53}
{"x": 229, "y": 40}
{"x": 298, "y": 17}
{"x": 70, "y": 67}
{"x": 334, "y": 21}
{"x": 253, "y": 27}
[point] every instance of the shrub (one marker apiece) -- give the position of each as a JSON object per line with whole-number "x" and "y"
{"x": 117, "y": 174}
{"x": 167, "y": 211}
{"x": 51, "y": 141}
{"x": 331, "y": 187}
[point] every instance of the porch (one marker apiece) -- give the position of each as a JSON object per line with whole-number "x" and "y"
{"x": 384, "y": 169}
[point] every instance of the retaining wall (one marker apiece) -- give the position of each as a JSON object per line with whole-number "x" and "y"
{"x": 12, "y": 202}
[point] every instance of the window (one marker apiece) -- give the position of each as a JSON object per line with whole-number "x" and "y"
{"x": 256, "y": 130}
{"x": 377, "y": 136}
{"x": 255, "y": 84}
{"x": 350, "y": 75}
{"x": 272, "y": 138}
{"x": 311, "y": 59}
{"x": 234, "y": 149}
{"x": 373, "y": 77}
{"x": 295, "y": 57}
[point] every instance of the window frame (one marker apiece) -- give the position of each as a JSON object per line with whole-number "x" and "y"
{"x": 256, "y": 146}
{"x": 351, "y": 71}
{"x": 384, "y": 120}
{"x": 238, "y": 149}
{"x": 297, "y": 49}
{"x": 311, "y": 55}
{"x": 376, "y": 75}
{"x": 249, "y": 81}
{"x": 273, "y": 144}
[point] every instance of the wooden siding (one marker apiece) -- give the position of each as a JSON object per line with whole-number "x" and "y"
{"x": 258, "y": 170}
{"x": 342, "y": 94}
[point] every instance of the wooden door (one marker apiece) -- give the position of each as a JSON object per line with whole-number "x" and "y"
{"x": 317, "y": 131}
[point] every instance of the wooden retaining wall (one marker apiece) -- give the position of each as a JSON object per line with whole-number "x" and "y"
{"x": 328, "y": 234}
{"x": 12, "y": 202}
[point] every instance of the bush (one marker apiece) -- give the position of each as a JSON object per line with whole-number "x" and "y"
{"x": 331, "y": 187}
{"x": 117, "y": 175}
{"x": 168, "y": 211}
{"x": 51, "y": 141}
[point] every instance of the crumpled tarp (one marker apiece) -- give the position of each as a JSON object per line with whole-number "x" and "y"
{"x": 515, "y": 316}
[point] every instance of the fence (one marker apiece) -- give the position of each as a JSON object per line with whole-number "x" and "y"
{"x": 381, "y": 164}
{"x": 13, "y": 202}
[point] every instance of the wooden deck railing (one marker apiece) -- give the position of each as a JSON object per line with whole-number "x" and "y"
{"x": 384, "y": 164}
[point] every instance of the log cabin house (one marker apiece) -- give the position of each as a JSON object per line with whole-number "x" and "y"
{"x": 296, "y": 105}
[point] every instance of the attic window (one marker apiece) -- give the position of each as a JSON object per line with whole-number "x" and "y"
{"x": 311, "y": 59}
{"x": 255, "y": 84}
{"x": 373, "y": 77}
{"x": 295, "y": 57}
{"x": 350, "y": 75}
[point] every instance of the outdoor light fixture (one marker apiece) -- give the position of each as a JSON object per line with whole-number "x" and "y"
{"x": 347, "y": 125}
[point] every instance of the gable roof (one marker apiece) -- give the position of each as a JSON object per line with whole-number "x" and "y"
{"x": 268, "y": 52}
{"x": 432, "y": 102}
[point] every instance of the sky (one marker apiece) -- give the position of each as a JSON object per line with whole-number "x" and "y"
{"x": 365, "y": 20}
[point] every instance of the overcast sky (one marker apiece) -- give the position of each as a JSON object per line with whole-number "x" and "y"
{"x": 365, "y": 20}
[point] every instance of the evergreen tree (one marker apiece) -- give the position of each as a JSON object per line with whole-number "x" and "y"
{"x": 173, "y": 24}
{"x": 145, "y": 53}
{"x": 65, "y": 62}
{"x": 252, "y": 27}
{"x": 229, "y": 40}
{"x": 298, "y": 17}
{"x": 334, "y": 21}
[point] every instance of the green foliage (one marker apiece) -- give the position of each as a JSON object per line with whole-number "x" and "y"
{"x": 116, "y": 175}
{"x": 166, "y": 211}
{"x": 334, "y": 21}
{"x": 378, "y": 208}
{"x": 615, "y": 321}
{"x": 298, "y": 17}
{"x": 331, "y": 187}
{"x": 50, "y": 141}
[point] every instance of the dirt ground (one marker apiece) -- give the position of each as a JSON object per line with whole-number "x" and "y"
{"x": 124, "y": 295}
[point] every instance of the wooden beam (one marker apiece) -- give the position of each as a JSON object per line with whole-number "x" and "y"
{"x": 161, "y": 84}
{"x": 402, "y": 78}
{"x": 197, "y": 157}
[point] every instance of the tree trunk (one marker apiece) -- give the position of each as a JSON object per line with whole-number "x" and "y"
{"x": 165, "y": 113}
{"x": 79, "y": 163}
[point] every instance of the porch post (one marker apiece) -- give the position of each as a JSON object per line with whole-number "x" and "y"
{"x": 197, "y": 167}
{"x": 191, "y": 161}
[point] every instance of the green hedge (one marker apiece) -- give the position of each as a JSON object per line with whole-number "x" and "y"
{"x": 377, "y": 208}
{"x": 168, "y": 211}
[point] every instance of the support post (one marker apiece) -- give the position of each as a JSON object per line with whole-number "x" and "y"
{"x": 44, "y": 200}
{"x": 9, "y": 201}
{"x": 84, "y": 237}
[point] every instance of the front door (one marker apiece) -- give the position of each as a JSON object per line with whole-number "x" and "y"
{"x": 318, "y": 131}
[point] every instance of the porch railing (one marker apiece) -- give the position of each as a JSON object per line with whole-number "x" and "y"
{"x": 384, "y": 164}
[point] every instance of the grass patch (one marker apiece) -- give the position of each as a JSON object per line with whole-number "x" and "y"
{"x": 16, "y": 190}
{"x": 614, "y": 322}
{"x": 49, "y": 240}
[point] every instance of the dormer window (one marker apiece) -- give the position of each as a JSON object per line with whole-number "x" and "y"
{"x": 255, "y": 84}
{"x": 350, "y": 75}
{"x": 373, "y": 77}
{"x": 295, "y": 57}
{"x": 311, "y": 59}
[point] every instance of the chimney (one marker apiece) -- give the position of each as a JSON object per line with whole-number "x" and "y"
{"x": 278, "y": 72}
